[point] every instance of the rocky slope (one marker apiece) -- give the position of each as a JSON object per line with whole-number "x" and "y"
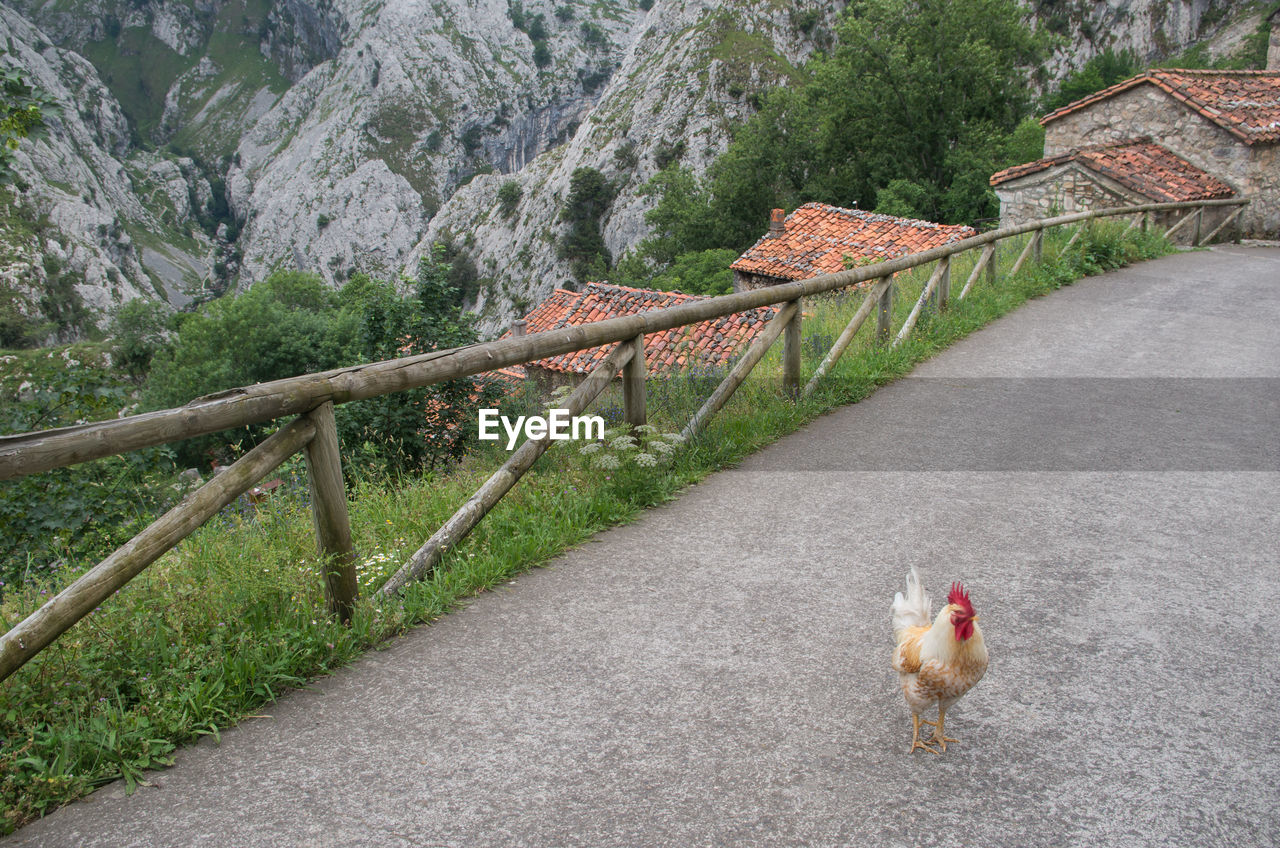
{"x": 688, "y": 76}
{"x": 80, "y": 187}
{"x": 203, "y": 143}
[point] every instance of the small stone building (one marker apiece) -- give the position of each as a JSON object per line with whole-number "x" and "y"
{"x": 709, "y": 344}
{"x": 1123, "y": 174}
{"x": 1224, "y": 123}
{"x": 820, "y": 239}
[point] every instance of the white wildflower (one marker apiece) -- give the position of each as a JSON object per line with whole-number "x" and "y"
{"x": 623, "y": 443}
{"x": 646, "y": 429}
{"x": 674, "y": 438}
{"x": 590, "y": 448}
{"x": 607, "y": 462}
{"x": 661, "y": 448}
{"x": 646, "y": 460}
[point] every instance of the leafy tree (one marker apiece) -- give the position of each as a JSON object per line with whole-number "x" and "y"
{"x": 590, "y": 195}
{"x": 1105, "y": 69}
{"x": 83, "y": 512}
{"x": 702, "y": 272}
{"x": 138, "y": 331}
{"x": 278, "y": 328}
{"x": 420, "y": 428}
{"x": 541, "y": 54}
{"x": 282, "y": 327}
{"x": 911, "y": 110}
{"x": 509, "y": 195}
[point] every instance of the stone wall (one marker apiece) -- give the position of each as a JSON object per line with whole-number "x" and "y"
{"x": 1145, "y": 110}
{"x": 750, "y": 282}
{"x": 1071, "y": 188}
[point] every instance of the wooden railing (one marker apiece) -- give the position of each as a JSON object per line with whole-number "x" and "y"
{"x": 312, "y": 397}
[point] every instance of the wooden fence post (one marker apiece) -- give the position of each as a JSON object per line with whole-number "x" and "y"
{"x": 846, "y": 337}
{"x": 985, "y": 262}
{"x": 884, "y": 312}
{"x": 1195, "y": 237}
{"x": 738, "y": 373}
{"x": 942, "y": 294}
{"x": 791, "y": 352}
{"x": 1037, "y": 252}
{"x": 992, "y": 270}
{"x": 633, "y": 386}
{"x": 329, "y": 513}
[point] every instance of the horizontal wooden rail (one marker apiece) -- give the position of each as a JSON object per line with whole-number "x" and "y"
{"x": 28, "y": 453}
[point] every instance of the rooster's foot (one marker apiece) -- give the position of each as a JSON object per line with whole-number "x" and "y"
{"x": 916, "y": 721}
{"x": 938, "y": 736}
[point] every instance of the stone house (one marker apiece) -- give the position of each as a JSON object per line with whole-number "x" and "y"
{"x": 709, "y": 344}
{"x": 1126, "y": 173}
{"x": 820, "y": 239}
{"x": 1223, "y": 123}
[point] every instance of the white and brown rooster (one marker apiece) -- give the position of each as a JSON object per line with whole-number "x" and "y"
{"x": 937, "y": 659}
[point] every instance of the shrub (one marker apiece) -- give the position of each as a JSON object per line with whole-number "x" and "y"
{"x": 509, "y": 197}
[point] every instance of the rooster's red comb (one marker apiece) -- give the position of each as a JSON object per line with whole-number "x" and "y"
{"x": 960, "y": 598}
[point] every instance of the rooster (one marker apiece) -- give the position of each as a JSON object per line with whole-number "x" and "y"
{"x": 938, "y": 662}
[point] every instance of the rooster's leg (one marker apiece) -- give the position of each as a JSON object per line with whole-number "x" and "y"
{"x": 915, "y": 735}
{"x": 938, "y": 735}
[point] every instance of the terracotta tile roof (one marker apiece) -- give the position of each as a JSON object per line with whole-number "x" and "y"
{"x": 1245, "y": 103}
{"x": 707, "y": 344}
{"x": 1139, "y": 165}
{"x": 817, "y": 238}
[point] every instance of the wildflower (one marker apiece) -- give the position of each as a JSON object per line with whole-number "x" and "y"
{"x": 674, "y": 438}
{"x": 646, "y": 428}
{"x": 646, "y": 460}
{"x": 623, "y": 443}
{"x": 661, "y": 448}
{"x": 590, "y": 448}
{"x": 607, "y": 461}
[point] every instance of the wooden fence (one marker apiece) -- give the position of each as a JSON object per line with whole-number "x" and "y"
{"x": 312, "y": 397}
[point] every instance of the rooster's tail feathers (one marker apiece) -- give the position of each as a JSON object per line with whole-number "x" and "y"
{"x": 913, "y": 610}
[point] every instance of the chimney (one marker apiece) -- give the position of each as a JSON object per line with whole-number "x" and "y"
{"x": 518, "y": 327}
{"x": 776, "y": 218}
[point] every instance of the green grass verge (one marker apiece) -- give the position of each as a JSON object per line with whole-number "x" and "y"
{"x": 235, "y": 615}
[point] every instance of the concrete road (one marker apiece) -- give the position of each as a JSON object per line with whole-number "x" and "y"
{"x": 1102, "y": 468}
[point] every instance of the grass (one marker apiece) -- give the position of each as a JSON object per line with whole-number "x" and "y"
{"x": 235, "y": 615}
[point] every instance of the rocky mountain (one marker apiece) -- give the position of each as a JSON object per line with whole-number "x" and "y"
{"x": 200, "y": 144}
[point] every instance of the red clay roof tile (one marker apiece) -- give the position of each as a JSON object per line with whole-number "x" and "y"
{"x": 1245, "y": 103}
{"x": 1138, "y": 164}
{"x": 817, "y": 239}
{"x": 707, "y": 344}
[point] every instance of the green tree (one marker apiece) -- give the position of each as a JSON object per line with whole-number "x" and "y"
{"x": 282, "y": 327}
{"x": 700, "y": 272}
{"x": 911, "y": 110}
{"x": 590, "y": 195}
{"x": 509, "y": 194}
{"x": 420, "y": 428}
{"x": 138, "y": 331}
{"x": 1105, "y": 69}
